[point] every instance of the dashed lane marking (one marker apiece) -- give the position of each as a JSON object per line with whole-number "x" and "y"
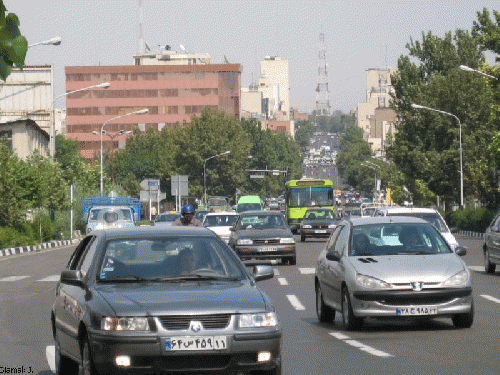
{"x": 477, "y": 268}
{"x": 13, "y": 278}
{"x": 276, "y": 272}
{"x": 307, "y": 271}
{"x": 50, "y": 354}
{"x": 51, "y": 278}
{"x": 282, "y": 281}
{"x": 295, "y": 302}
{"x": 360, "y": 345}
{"x": 493, "y": 299}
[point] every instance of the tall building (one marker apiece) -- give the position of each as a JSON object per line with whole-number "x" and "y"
{"x": 375, "y": 116}
{"x": 172, "y": 86}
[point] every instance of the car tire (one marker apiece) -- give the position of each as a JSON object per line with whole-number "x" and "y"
{"x": 86, "y": 365}
{"x": 464, "y": 320}
{"x": 488, "y": 266}
{"x": 292, "y": 261}
{"x": 325, "y": 313}
{"x": 351, "y": 322}
{"x": 302, "y": 238}
{"x": 63, "y": 364}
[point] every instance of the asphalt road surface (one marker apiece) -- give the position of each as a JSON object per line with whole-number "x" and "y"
{"x": 27, "y": 288}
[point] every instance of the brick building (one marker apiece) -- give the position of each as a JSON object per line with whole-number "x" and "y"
{"x": 172, "y": 94}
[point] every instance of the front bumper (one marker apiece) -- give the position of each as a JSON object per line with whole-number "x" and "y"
{"x": 387, "y": 303}
{"x": 265, "y": 252}
{"x": 316, "y": 232}
{"x": 148, "y": 354}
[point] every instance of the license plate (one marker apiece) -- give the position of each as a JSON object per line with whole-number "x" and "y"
{"x": 195, "y": 343}
{"x": 416, "y": 310}
{"x": 320, "y": 231}
{"x": 268, "y": 248}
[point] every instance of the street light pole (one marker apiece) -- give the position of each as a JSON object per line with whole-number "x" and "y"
{"x": 205, "y": 174}
{"x": 145, "y": 110}
{"x": 52, "y": 147}
{"x": 416, "y": 106}
{"x": 54, "y": 41}
{"x": 467, "y": 69}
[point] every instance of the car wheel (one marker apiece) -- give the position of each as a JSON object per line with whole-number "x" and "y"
{"x": 302, "y": 238}
{"x": 488, "y": 266}
{"x": 292, "y": 261}
{"x": 64, "y": 365}
{"x": 350, "y": 321}
{"x": 464, "y": 320}
{"x": 325, "y": 313}
{"x": 86, "y": 365}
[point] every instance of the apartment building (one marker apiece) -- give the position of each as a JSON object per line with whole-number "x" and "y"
{"x": 173, "y": 87}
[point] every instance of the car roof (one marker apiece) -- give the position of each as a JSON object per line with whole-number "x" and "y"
{"x": 222, "y": 213}
{"x": 405, "y": 210}
{"x": 249, "y": 199}
{"x": 387, "y": 220}
{"x": 153, "y": 231}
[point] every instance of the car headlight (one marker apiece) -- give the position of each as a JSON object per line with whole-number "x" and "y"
{"x": 287, "y": 240}
{"x": 306, "y": 226}
{"x": 124, "y": 324}
{"x": 371, "y": 282}
{"x": 459, "y": 279}
{"x": 332, "y": 226}
{"x": 244, "y": 241}
{"x": 269, "y": 319}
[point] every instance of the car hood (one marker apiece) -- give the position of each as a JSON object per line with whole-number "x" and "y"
{"x": 221, "y": 231}
{"x": 264, "y": 233}
{"x": 186, "y": 297}
{"x": 408, "y": 268}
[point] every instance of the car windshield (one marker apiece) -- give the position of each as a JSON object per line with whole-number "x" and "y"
{"x": 319, "y": 214}
{"x": 219, "y": 220}
{"x": 310, "y": 196}
{"x": 432, "y": 218}
{"x": 396, "y": 239}
{"x": 168, "y": 259}
{"x": 110, "y": 215}
{"x": 261, "y": 222}
{"x": 242, "y": 207}
{"x": 167, "y": 217}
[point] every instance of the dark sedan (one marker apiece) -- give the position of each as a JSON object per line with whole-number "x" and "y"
{"x": 317, "y": 223}
{"x": 263, "y": 235}
{"x": 165, "y": 300}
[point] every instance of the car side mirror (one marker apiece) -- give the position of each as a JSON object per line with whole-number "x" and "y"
{"x": 334, "y": 256}
{"x": 136, "y": 217}
{"x": 72, "y": 277}
{"x": 262, "y": 272}
{"x": 454, "y": 229}
{"x": 461, "y": 250}
{"x": 232, "y": 229}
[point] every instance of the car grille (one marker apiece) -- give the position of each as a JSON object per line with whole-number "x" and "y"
{"x": 269, "y": 241}
{"x": 319, "y": 226}
{"x": 411, "y": 301}
{"x": 182, "y": 322}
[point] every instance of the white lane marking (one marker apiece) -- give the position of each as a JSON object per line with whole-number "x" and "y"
{"x": 276, "y": 272}
{"x": 51, "y": 278}
{"x": 307, "y": 271}
{"x": 339, "y": 335}
{"x": 13, "y": 278}
{"x": 493, "y": 299}
{"x": 50, "y": 353}
{"x": 282, "y": 281}
{"x": 359, "y": 345}
{"x": 477, "y": 268}
{"x": 295, "y": 302}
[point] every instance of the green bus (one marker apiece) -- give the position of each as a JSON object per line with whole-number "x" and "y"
{"x": 306, "y": 193}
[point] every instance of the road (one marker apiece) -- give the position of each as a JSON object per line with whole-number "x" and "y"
{"x": 27, "y": 287}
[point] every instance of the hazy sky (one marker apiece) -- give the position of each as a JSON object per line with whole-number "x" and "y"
{"x": 358, "y": 35}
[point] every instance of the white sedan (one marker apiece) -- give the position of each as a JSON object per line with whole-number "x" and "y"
{"x": 220, "y": 223}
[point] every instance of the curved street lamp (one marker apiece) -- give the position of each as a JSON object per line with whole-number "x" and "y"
{"x": 416, "y": 106}
{"x": 103, "y": 85}
{"x": 205, "y": 174}
{"x": 140, "y": 111}
{"x": 467, "y": 69}
{"x": 54, "y": 41}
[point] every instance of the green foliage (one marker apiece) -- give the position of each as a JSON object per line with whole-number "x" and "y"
{"x": 304, "y": 130}
{"x": 12, "y": 205}
{"x": 9, "y": 237}
{"x": 13, "y": 46}
{"x": 476, "y": 220}
{"x": 487, "y": 31}
{"x": 44, "y": 228}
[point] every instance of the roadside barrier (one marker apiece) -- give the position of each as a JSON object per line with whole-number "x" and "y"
{"x": 40, "y": 247}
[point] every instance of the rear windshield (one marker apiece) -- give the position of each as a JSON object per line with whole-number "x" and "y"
{"x": 432, "y": 218}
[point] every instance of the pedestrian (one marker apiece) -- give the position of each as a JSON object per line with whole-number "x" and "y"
{"x": 187, "y": 218}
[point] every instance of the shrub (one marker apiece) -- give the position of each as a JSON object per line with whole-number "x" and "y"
{"x": 9, "y": 237}
{"x": 476, "y": 220}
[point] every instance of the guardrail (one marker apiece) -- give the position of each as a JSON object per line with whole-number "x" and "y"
{"x": 467, "y": 233}
{"x": 40, "y": 247}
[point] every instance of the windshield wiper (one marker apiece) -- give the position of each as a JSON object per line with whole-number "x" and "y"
{"x": 415, "y": 253}
{"x": 194, "y": 276}
{"x": 124, "y": 278}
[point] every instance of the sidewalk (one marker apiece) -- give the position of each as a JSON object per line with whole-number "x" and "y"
{"x": 41, "y": 247}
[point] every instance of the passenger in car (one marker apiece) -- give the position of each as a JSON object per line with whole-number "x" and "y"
{"x": 409, "y": 238}
{"x": 187, "y": 261}
{"x": 361, "y": 244}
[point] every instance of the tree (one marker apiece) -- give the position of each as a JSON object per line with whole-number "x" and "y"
{"x": 12, "y": 204}
{"x": 13, "y": 46}
{"x": 426, "y": 141}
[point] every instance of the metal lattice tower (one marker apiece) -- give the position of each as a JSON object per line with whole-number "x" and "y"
{"x": 322, "y": 101}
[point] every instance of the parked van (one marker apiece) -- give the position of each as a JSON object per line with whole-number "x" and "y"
{"x": 249, "y": 203}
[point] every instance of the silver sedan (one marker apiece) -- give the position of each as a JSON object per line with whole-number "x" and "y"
{"x": 397, "y": 267}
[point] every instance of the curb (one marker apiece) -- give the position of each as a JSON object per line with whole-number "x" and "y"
{"x": 40, "y": 247}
